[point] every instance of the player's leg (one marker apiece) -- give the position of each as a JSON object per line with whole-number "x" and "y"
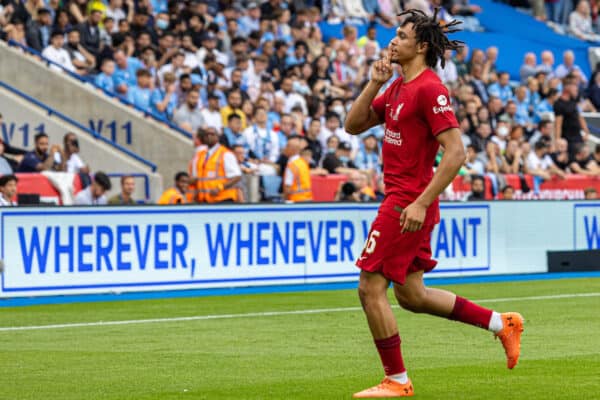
{"x": 416, "y": 297}
{"x": 372, "y": 291}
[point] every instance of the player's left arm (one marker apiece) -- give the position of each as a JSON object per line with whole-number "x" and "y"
{"x": 413, "y": 216}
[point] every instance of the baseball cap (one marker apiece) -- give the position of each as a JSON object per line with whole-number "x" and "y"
{"x": 252, "y": 5}
{"x": 344, "y": 146}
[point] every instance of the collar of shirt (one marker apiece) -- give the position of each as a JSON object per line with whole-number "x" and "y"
{"x": 212, "y": 150}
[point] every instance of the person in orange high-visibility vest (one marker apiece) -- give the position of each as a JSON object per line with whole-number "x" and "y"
{"x": 297, "y": 185}
{"x": 217, "y": 171}
{"x": 176, "y": 194}
{"x": 191, "y": 193}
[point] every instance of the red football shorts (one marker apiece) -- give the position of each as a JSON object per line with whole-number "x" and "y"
{"x": 395, "y": 254}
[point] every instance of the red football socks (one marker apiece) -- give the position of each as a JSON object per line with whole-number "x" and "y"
{"x": 389, "y": 352}
{"x": 470, "y": 313}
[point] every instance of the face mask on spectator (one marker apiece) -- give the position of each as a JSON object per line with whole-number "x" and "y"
{"x": 344, "y": 159}
{"x": 331, "y": 150}
{"x": 339, "y": 110}
{"x": 162, "y": 24}
{"x": 502, "y": 131}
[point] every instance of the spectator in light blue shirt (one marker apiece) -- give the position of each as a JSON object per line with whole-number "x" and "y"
{"x": 545, "y": 108}
{"x": 569, "y": 67}
{"x": 533, "y": 93}
{"x": 251, "y": 21}
{"x": 159, "y": 6}
{"x": 140, "y": 94}
{"x": 104, "y": 80}
{"x": 299, "y": 54}
{"x": 374, "y": 10}
{"x": 501, "y": 89}
{"x": 125, "y": 74}
{"x": 164, "y": 100}
{"x": 522, "y": 102}
{"x": 367, "y": 158}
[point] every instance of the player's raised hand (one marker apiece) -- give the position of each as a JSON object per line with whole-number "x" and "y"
{"x": 381, "y": 70}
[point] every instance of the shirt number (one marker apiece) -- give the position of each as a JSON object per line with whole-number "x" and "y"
{"x": 371, "y": 242}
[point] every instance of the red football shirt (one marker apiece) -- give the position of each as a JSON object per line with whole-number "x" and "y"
{"x": 414, "y": 113}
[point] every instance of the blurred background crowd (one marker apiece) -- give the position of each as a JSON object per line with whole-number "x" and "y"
{"x": 265, "y": 97}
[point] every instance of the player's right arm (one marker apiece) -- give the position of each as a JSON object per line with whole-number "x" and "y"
{"x": 362, "y": 116}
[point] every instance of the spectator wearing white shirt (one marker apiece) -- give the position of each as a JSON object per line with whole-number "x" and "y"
{"x": 292, "y": 98}
{"x": 540, "y": 164}
{"x": 115, "y": 11}
{"x": 74, "y": 163}
{"x": 262, "y": 142}
{"x": 95, "y": 194}
{"x": 55, "y": 52}
{"x": 189, "y": 51}
{"x": 209, "y": 46}
{"x": 448, "y": 73}
{"x": 8, "y": 190}
{"x": 333, "y": 128}
{"x": 580, "y": 22}
{"x": 176, "y": 67}
{"x": 260, "y": 64}
{"x": 212, "y": 113}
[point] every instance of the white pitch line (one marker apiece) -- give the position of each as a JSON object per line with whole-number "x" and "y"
{"x": 266, "y": 314}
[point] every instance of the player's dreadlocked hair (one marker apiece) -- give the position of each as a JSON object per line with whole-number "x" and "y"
{"x": 433, "y": 32}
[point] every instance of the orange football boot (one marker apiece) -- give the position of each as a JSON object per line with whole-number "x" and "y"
{"x": 510, "y": 336}
{"x": 387, "y": 388}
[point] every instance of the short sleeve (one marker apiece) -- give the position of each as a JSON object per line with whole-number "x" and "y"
{"x": 378, "y": 105}
{"x": 29, "y": 162}
{"x": 156, "y": 97}
{"x": 232, "y": 168}
{"x": 558, "y": 108}
{"x": 437, "y": 109}
{"x": 288, "y": 177}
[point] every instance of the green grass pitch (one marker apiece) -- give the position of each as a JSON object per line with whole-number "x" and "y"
{"x": 326, "y": 355}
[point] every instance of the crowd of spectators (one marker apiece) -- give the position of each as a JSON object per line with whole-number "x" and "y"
{"x": 259, "y": 74}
